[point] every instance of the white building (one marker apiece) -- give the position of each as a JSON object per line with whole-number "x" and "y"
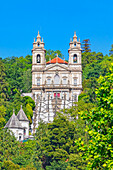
{"x": 19, "y": 125}
{"x": 55, "y": 84}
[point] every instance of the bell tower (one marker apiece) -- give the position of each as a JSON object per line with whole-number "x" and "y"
{"x": 75, "y": 51}
{"x": 38, "y": 52}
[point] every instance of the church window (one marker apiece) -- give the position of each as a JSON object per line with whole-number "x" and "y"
{"x": 75, "y": 82}
{"x": 56, "y": 79}
{"x": 64, "y": 81}
{"x": 48, "y": 81}
{"x": 38, "y": 58}
{"x": 75, "y": 58}
{"x": 38, "y": 44}
{"x": 38, "y": 81}
{"x": 24, "y": 132}
{"x": 19, "y": 138}
{"x": 75, "y": 44}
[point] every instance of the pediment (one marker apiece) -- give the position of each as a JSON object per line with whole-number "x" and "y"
{"x": 54, "y": 67}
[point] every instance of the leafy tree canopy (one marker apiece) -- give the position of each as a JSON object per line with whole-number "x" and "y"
{"x": 99, "y": 151}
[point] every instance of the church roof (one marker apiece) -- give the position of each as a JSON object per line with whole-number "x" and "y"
{"x": 13, "y": 122}
{"x": 57, "y": 60}
{"x": 21, "y": 115}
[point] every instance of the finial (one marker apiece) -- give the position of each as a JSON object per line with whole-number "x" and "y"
{"x": 70, "y": 39}
{"x": 57, "y": 54}
{"x": 75, "y": 35}
{"x": 38, "y": 34}
{"x": 34, "y": 39}
{"x": 42, "y": 39}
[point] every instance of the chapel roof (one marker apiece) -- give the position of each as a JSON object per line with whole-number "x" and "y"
{"x": 21, "y": 115}
{"x": 57, "y": 60}
{"x": 13, "y": 122}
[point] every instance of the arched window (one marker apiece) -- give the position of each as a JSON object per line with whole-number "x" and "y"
{"x": 48, "y": 81}
{"x": 24, "y": 132}
{"x": 38, "y": 58}
{"x": 56, "y": 79}
{"x": 75, "y": 58}
{"x": 75, "y": 44}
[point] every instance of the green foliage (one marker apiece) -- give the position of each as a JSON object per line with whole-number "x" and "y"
{"x": 17, "y": 73}
{"x": 8, "y": 145}
{"x": 111, "y": 50}
{"x": 2, "y": 116}
{"x": 14, "y": 154}
{"x": 60, "y": 165}
{"x": 9, "y": 165}
{"x": 29, "y": 112}
{"x": 99, "y": 151}
{"x": 3, "y": 83}
{"x": 50, "y": 54}
{"x": 54, "y": 145}
{"x": 55, "y": 141}
{"x": 86, "y": 45}
{"x": 76, "y": 162}
{"x": 90, "y": 57}
{"x": 28, "y": 100}
{"x": 25, "y": 156}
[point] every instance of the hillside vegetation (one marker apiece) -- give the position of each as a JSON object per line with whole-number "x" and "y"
{"x": 85, "y": 141}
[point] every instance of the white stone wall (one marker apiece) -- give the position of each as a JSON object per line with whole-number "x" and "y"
{"x": 26, "y": 125}
{"x": 17, "y": 133}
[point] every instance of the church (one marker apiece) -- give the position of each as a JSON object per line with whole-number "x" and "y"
{"x": 56, "y": 84}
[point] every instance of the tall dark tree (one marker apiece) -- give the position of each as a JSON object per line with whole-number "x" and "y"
{"x": 111, "y": 50}
{"x": 86, "y": 45}
{"x": 3, "y": 82}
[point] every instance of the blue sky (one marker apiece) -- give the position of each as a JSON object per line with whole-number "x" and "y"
{"x": 56, "y": 21}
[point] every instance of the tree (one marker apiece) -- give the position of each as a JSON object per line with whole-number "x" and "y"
{"x": 60, "y": 165}
{"x": 28, "y": 100}
{"x": 3, "y": 83}
{"x": 99, "y": 151}
{"x": 86, "y": 45}
{"x": 27, "y": 81}
{"x": 111, "y": 50}
{"x": 9, "y": 146}
{"x": 50, "y": 54}
{"x": 2, "y": 116}
{"x": 9, "y": 165}
{"x": 55, "y": 141}
{"x": 29, "y": 112}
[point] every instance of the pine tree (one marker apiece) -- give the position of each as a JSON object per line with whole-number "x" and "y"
{"x": 86, "y": 45}
{"x": 111, "y": 50}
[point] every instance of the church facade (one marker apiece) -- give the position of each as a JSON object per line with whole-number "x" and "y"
{"x": 56, "y": 84}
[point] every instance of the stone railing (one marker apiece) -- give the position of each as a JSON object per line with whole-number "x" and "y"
{"x": 52, "y": 86}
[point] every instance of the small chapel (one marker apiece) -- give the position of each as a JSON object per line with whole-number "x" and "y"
{"x": 19, "y": 125}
